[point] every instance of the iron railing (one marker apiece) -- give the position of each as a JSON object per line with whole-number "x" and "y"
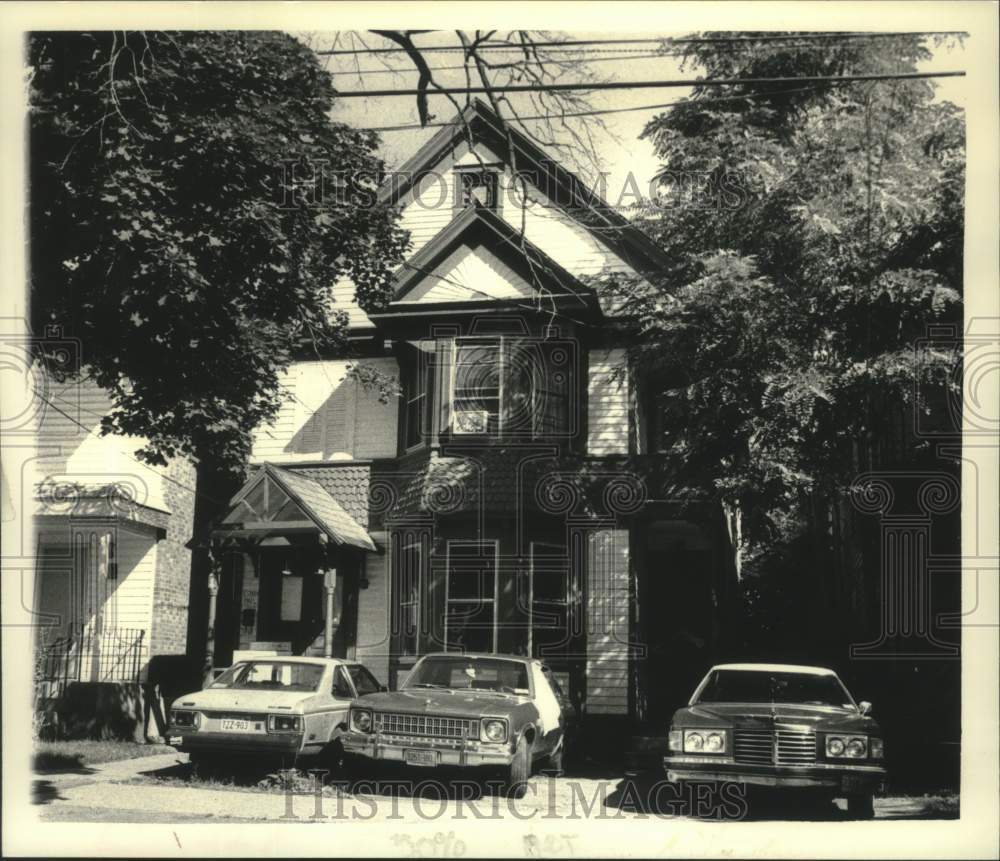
{"x": 109, "y": 655}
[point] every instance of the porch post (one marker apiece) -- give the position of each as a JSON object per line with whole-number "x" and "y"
{"x": 329, "y": 587}
{"x": 213, "y": 592}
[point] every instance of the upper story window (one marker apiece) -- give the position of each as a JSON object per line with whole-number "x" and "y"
{"x": 511, "y": 387}
{"x": 417, "y": 394}
{"x": 477, "y": 184}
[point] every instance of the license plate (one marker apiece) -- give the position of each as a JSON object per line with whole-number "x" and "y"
{"x": 420, "y": 757}
{"x": 175, "y": 740}
{"x": 237, "y": 725}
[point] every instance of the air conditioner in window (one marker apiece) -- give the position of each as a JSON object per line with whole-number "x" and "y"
{"x": 471, "y": 421}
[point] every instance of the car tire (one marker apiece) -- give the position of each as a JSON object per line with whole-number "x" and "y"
{"x": 861, "y": 806}
{"x": 515, "y": 779}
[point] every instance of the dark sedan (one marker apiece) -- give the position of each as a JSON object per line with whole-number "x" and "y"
{"x": 779, "y": 725}
{"x": 504, "y": 712}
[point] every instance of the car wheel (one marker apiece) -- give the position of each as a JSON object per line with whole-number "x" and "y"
{"x": 515, "y": 782}
{"x": 861, "y": 806}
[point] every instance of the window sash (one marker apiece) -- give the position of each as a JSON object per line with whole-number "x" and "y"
{"x": 561, "y": 606}
{"x": 517, "y": 368}
{"x": 409, "y": 583}
{"x": 480, "y": 603}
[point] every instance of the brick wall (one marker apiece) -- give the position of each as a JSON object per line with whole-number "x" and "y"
{"x": 172, "y": 580}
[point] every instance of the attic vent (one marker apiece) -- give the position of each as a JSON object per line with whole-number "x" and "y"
{"x": 477, "y": 184}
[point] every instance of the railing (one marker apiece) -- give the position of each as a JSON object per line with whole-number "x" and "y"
{"x": 110, "y": 655}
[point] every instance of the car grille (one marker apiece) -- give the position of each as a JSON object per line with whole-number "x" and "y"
{"x": 425, "y": 725}
{"x": 757, "y": 747}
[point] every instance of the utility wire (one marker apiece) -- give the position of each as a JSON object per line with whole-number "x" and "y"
{"x": 596, "y": 112}
{"x": 646, "y": 85}
{"x": 574, "y": 43}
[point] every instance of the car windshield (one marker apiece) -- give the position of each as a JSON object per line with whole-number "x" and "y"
{"x": 460, "y": 673}
{"x": 272, "y": 676}
{"x": 758, "y": 686}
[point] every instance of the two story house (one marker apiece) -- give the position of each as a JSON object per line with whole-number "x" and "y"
{"x": 507, "y": 499}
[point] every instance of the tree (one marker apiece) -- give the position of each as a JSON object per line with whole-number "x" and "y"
{"x": 192, "y": 205}
{"x": 816, "y": 232}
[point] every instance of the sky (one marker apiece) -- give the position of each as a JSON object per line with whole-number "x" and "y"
{"x": 620, "y": 148}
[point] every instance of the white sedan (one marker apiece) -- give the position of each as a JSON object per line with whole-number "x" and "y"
{"x": 282, "y": 706}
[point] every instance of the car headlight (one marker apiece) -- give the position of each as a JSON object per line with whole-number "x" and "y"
{"x": 284, "y": 723}
{"x": 676, "y": 740}
{"x": 847, "y": 747}
{"x": 694, "y": 742}
{"x": 494, "y": 730}
{"x": 183, "y": 718}
{"x": 876, "y": 748}
{"x": 715, "y": 742}
{"x": 361, "y": 721}
{"x": 857, "y": 747}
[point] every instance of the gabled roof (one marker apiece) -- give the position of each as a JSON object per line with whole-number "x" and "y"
{"x": 480, "y": 224}
{"x": 307, "y": 500}
{"x": 550, "y": 177}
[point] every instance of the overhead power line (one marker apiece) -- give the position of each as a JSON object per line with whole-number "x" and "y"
{"x": 646, "y": 85}
{"x": 600, "y": 111}
{"x": 575, "y": 43}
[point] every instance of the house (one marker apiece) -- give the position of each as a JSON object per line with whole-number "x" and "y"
{"x": 508, "y": 499}
{"x": 112, "y": 570}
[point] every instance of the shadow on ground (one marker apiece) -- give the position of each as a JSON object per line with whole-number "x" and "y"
{"x": 47, "y": 762}
{"x": 45, "y": 792}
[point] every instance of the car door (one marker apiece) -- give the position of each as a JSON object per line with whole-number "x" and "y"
{"x": 337, "y": 694}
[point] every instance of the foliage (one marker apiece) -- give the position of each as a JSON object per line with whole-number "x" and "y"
{"x": 826, "y": 237}
{"x": 175, "y": 232}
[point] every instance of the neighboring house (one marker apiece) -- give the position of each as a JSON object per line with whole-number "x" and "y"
{"x": 113, "y": 570}
{"x": 508, "y": 499}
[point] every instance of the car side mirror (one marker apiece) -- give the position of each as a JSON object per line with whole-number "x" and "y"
{"x": 865, "y": 707}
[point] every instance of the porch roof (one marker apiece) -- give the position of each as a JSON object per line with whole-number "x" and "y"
{"x": 308, "y": 505}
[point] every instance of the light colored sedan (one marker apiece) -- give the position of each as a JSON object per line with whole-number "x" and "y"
{"x": 281, "y": 706}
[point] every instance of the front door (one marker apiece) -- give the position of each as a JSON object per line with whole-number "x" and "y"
{"x": 292, "y": 602}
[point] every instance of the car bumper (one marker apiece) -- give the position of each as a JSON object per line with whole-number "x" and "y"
{"x": 844, "y": 778}
{"x": 449, "y": 753}
{"x": 225, "y": 742}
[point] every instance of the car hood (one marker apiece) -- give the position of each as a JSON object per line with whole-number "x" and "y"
{"x": 763, "y": 716}
{"x": 219, "y": 699}
{"x": 431, "y": 702}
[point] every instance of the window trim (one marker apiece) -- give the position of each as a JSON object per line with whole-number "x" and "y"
{"x": 421, "y": 374}
{"x": 491, "y": 169}
{"x": 495, "y": 600}
{"x": 418, "y": 601}
{"x": 474, "y": 340}
{"x": 531, "y": 590}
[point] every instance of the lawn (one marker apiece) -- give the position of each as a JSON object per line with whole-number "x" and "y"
{"x": 68, "y": 755}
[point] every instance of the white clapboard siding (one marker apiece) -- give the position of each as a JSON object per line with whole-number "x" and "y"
{"x": 125, "y": 601}
{"x": 373, "y": 614}
{"x": 73, "y": 450}
{"x": 607, "y": 403}
{"x": 608, "y": 622}
{"x": 429, "y": 207}
{"x": 327, "y": 416}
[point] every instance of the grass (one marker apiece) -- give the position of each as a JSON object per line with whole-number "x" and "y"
{"x": 72, "y": 755}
